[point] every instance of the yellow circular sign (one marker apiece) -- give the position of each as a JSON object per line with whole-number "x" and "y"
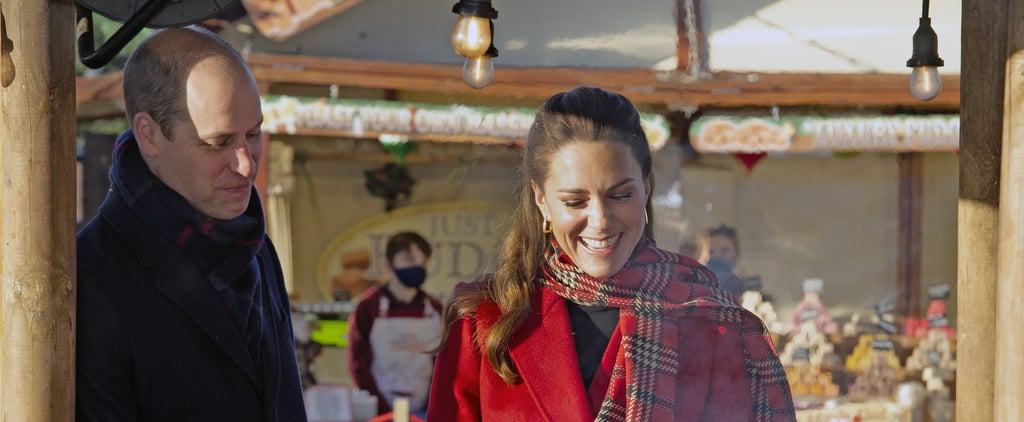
{"x": 464, "y": 236}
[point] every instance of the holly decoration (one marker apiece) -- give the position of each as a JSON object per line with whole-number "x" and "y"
{"x": 391, "y": 182}
{"x": 396, "y": 145}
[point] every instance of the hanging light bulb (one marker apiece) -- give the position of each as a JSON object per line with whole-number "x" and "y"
{"x": 478, "y": 72}
{"x": 471, "y": 35}
{"x": 925, "y": 82}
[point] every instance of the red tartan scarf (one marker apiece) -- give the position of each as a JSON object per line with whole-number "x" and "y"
{"x": 653, "y": 291}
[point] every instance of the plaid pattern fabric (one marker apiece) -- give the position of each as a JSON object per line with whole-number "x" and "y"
{"x": 225, "y": 248}
{"x": 653, "y": 291}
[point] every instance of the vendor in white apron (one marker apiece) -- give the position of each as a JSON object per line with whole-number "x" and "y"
{"x": 394, "y": 326}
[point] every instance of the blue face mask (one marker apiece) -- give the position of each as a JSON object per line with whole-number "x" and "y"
{"x": 720, "y": 267}
{"x": 412, "y": 277}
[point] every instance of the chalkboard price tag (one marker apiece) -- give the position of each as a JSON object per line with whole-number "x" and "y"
{"x": 936, "y": 321}
{"x": 883, "y": 345}
{"x": 939, "y": 292}
{"x": 888, "y": 327}
{"x": 809, "y": 314}
{"x": 886, "y": 306}
{"x": 802, "y": 354}
{"x": 751, "y": 283}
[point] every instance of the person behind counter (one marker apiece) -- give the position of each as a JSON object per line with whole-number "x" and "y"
{"x": 394, "y": 326}
{"x": 182, "y": 309}
{"x": 585, "y": 318}
{"x": 723, "y": 252}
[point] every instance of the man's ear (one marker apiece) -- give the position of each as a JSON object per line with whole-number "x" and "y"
{"x": 147, "y": 134}
{"x": 538, "y": 199}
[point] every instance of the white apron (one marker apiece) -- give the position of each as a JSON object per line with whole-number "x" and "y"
{"x": 401, "y": 366}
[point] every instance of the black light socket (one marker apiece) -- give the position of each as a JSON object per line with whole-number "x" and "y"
{"x": 926, "y": 46}
{"x": 476, "y": 8}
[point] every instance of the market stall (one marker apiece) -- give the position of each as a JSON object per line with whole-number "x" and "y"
{"x": 815, "y": 171}
{"x": 843, "y": 218}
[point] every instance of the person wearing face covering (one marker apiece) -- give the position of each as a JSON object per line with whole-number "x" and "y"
{"x": 723, "y": 252}
{"x": 585, "y": 318}
{"x": 394, "y": 326}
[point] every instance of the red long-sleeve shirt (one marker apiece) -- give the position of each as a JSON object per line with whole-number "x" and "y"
{"x": 360, "y": 356}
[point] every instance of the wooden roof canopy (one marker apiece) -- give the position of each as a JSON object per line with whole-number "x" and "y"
{"x": 99, "y": 97}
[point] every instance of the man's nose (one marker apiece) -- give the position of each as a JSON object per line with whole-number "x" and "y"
{"x": 245, "y": 164}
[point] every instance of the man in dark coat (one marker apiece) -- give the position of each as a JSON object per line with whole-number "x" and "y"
{"x": 182, "y": 310}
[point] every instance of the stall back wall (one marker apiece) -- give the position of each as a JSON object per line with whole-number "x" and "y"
{"x": 798, "y": 216}
{"x": 819, "y": 216}
{"x": 342, "y": 201}
{"x": 938, "y": 238}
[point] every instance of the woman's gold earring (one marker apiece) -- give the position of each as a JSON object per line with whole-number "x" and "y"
{"x": 646, "y": 220}
{"x": 546, "y": 228}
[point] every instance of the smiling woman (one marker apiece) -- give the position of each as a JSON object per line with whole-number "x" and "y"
{"x": 595, "y": 206}
{"x": 584, "y": 308}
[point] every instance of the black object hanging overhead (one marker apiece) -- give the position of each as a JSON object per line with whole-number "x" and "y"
{"x": 136, "y": 14}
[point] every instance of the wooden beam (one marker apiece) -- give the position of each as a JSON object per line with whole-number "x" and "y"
{"x": 100, "y": 96}
{"x": 262, "y": 182}
{"x": 370, "y": 135}
{"x": 911, "y": 193}
{"x": 263, "y": 164}
{"x": 107, "y": 108}
{"x": 38, "y": 233}
{"x": 984, "y": 32}
{"x": 98, "y": 87}
{"x": 642, "y": 86}
{"x": 410, "y": 159}
{"x": 726, "y": 89}
{"x": 723, "y": 89}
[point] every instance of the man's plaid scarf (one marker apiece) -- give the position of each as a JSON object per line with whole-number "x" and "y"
{"x": 653, "y": 291}
{"x": 224, "y": 249}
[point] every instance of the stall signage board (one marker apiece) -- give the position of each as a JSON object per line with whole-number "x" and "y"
{"x": 417, "y": 121}
{"x": 464, "y": 235}
{"x": 808, "y": 134}
{"x": 280, "y": 19}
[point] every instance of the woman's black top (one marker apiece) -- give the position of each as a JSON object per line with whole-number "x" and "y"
{"x": 592, "y": 328}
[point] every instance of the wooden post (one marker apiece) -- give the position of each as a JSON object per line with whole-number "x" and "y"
{"x": 911, "y": 167}
{"x": 38, "y": 233}
{"x": 985, "y": 42}
{"x": 1010, "y": 289}
{"x": 690, "y": 36}
{"x": 263, "y": 166}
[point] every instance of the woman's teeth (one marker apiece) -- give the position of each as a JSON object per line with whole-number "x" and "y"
{"x": 598, "y": 244}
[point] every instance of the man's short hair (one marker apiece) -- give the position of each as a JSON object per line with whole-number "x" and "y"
{"x": 728, "y": 232}
{"x": 404, "y": 241}
{"x": 154, "y": 78}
